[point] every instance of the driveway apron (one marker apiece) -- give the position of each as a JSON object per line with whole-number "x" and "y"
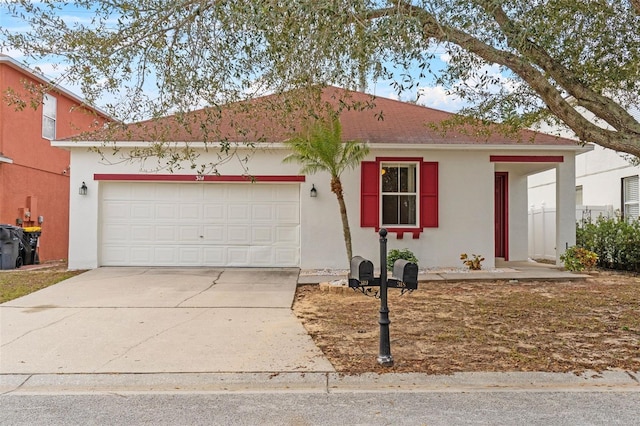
{"x": 159, "y": 320}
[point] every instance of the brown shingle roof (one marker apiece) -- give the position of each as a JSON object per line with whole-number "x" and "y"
{"x": 275, "y": 118}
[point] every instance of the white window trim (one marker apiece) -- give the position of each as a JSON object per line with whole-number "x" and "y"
{"x": 634, "y": 183}
{"x": 53, "y": 118}
{"x": 416, "y": 194}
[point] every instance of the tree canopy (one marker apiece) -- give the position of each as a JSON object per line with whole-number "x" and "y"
{"x": 566, "y": 61}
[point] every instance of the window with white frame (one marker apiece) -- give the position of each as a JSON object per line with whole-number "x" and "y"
{"x": 579, "y": 195}
{"x": 49, "y": 108}
{"x": 630, "y": 198}
{"x": 399, "y": 190}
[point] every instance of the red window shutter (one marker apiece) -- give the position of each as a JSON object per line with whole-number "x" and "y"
{"x": 369, "y": 186}
{"x": 429, "y": 195}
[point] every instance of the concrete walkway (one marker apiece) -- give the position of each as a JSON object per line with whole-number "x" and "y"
{"x": 504, "y": 271}
{"x": 159, "y": 320}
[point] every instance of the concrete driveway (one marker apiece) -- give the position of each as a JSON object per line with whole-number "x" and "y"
{"x": 159, "y": 320}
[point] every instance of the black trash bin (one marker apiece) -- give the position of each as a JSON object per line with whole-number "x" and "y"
{"x": 10, "y": 242}
{"x": 30, "y": 237}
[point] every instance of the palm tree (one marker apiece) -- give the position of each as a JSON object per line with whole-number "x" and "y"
{"x": 320, "y": 148}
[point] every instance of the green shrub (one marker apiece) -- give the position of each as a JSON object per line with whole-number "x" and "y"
{"x": 579, "y": 259}
{"x": 395, "y": 254}
{"x": 614, "y": 240}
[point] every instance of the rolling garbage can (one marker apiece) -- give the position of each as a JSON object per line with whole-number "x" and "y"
{"x": 10, "y": 247}
{"x": 30, "y": 238}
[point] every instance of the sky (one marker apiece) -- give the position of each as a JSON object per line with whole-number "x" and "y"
{"x": 430, "y": 96}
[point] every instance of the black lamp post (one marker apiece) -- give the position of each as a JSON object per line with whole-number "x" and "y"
{"x": 384, "y": 355}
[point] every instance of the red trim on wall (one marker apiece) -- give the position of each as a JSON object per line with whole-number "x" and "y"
{"x": 526, "y": 159}
{"x": 198, "y": 178}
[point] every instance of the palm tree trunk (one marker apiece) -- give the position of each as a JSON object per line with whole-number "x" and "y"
{"x": 336, "y": 188}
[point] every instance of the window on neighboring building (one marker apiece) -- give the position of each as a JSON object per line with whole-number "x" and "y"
{"x": 399, "y": 194}
{"x": 579, "y": 195}
{"x": 49, "y": 107}
{"x": 630, "y": 198}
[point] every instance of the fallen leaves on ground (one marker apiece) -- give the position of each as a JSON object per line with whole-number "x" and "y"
{"x": 499, "y": 326}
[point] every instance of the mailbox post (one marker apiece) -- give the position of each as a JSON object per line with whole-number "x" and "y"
{"x": 384, "y": 355}
{"x": 405, "y": 276}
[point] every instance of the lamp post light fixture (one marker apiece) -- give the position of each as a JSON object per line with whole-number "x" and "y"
{"x": 314, "y": 192}
{"x": 83, "y": 189}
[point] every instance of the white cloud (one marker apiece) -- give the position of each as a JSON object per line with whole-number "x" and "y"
{"x": 437, "y": 97}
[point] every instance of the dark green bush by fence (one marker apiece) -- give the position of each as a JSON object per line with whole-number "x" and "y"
{"x": 614, "y": 240}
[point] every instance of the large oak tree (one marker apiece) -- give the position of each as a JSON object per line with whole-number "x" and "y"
{"x": 574, "y": 61}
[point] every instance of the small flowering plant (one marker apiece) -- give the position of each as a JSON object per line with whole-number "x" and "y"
{"x": 474, "y": 262}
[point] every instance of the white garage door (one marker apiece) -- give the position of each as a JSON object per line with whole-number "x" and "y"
{"x": 200, "y": 224}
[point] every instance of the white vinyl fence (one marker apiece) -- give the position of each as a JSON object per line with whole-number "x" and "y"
{"x": 542, "y": 227}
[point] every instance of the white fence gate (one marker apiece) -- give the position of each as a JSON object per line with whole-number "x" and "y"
{"x": 542, "y": 227}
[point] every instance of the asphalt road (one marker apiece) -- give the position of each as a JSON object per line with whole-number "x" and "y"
{"x": 312, "y": 408}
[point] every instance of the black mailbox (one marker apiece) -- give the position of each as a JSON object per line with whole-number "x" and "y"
{"x": 361, "y": 269}
{"x": 407, "y": 272}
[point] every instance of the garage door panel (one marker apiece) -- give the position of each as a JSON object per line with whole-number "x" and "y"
{"x": 237, "y": 212}
{"x": 141, "y": 211}
{"x": 287, "y": 235}
{"x": 261, "y": 256}
{"x": 189, "y": 256}
{"x": 191, "y": 211}
{"x": 288, "y": 193}
{"x": 193, "y": 224}
{"x": 188, "y": 192}
{"x": 165, "y": 256}
{"x": 238, "y": 256}
{"x": 141, "y": 255}
{"x": 263, "y": 213}
{"x": 285, "y": 256}
{"x": 238, "y": 234}
{"x": 289, "y": 213}
{"x": 143, "y": 233}
{"x": 261, "y": 235}
{"x": 137, "y": 192}
{"x": 215, "y": 234}
{"x": 116, "y": 210}
{"x": 188, "y": 233}
{"x": 214, "y": 256}
{"x": 116, "y": 255}
{"x": 166, "y": 212}
{"x": 165, "y": 233}
{"x": 214, "y": 213}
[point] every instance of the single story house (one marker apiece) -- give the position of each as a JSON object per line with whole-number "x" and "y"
{"x": 444, "y": 193}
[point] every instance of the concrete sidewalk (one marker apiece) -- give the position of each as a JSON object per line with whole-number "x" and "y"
{"x": 159, "y": 320}
{"x": 504, "y": 271}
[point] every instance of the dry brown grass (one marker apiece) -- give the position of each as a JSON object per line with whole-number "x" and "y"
{"x": 443, "y": 328}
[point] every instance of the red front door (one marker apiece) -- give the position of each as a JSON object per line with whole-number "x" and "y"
{"x": 501, "y": 215}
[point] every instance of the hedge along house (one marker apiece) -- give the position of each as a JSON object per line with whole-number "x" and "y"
{"x": 438, "y": 194}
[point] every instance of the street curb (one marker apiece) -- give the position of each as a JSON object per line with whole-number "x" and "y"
{"x": 316, "y": 382}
